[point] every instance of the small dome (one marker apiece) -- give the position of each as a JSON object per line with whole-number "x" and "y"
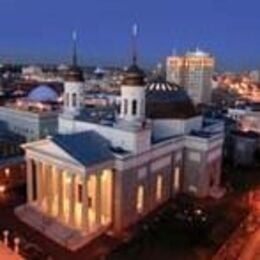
{"x": 165, "y": 101}
{"x": 42, "y": 93}
{"x": 134, "y": 76}
{"x": 99, "y": 70}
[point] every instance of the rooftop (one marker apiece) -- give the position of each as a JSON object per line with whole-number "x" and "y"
{"x": 87, "y": 147}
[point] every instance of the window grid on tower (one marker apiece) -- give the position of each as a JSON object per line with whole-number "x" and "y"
{"x": 74, "y": 99}
{"x": 134, "y": 107}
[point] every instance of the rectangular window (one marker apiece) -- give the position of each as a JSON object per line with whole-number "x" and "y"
{"x": 74, "y": 99}
{"x": 140, "y": 199}
{"x": 134, "y": 107}
{"x": 176, "y": 179}
{"x": 159, "y": 187}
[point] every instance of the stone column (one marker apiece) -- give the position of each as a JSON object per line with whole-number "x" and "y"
{"x": 72, "y": 200}
{"x": 44, "y": 186}
{"x": 60, "y": 185}
{"x": 29, "y": 180}
{"x": 98, "y": 199}
{"x": 39, "y": 187}
{"x": 84, "y": 212}
{"x": 49, "y": 183}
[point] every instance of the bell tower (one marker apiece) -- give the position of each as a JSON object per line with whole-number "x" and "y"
{"x": 73, "y": 84}
{"x": 133, "y": 89}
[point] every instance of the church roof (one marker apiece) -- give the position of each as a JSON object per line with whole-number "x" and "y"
{"x": 74, "y": 74}
{"x": 165, "y": 100}
{"x": 88, "y": 147}
{"x": 134, "y": 76}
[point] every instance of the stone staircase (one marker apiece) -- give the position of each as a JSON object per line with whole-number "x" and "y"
{"x": 65, "y": 236}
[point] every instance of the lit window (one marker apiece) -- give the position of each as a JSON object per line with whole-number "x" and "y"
{"x": 7, "y": 172}
{"x": 159, "y": 186}
{"x": 140, "y": 199}
{"x": 176, "y": 179}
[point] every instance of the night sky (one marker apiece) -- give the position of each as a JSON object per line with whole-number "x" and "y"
{"x": 40, "y": 30}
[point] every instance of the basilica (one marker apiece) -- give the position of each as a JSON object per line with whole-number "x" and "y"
{"x": 103, "y": 176}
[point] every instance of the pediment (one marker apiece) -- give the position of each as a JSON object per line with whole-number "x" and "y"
{"x": 53, "y": 150}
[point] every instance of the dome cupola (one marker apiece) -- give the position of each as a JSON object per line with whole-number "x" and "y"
{"x": 165, "y": 100}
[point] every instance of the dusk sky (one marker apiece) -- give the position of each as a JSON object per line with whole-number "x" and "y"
{"x": 40, "y": 30}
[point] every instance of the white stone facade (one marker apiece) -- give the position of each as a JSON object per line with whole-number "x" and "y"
{"x": 73, "y": 201}
{"x": 73, "y": 97}
{"x": 29, "y": 124}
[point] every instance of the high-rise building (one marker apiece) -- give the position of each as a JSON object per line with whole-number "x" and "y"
{"x": 194, "y": 71}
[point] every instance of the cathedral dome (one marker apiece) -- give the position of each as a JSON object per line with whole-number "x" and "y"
{"x": 43, "y": 93}
{"x": 134, "y": 76}
{"x": 167, "y": 101}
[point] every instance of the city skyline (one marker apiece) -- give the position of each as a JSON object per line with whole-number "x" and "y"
{"x": 44, "y": 31}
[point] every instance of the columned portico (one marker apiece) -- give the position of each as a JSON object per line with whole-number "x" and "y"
{"x": 81, "y": 201}
{"x": 66, "y": 200}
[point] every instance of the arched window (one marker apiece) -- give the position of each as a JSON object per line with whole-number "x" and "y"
{"x": 134, "y": 107}
{"x": 125, "y": 106}
{"x": 74, "y": 99}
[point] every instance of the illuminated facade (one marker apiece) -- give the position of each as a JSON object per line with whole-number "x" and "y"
{"x": 193, "y": 71}
{"x": 94, "y": 178}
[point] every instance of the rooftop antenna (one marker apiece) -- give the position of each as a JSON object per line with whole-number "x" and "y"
{"x": 134, "y": 43}
{"x": 74, "y": 54}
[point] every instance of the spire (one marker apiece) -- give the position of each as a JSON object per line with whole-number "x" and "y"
{"x": 134, "y": 43}
{"x": 174, "y": 52}
{"x": 74, "y": 54}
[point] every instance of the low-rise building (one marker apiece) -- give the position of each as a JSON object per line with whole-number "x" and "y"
{"x": 33, "y": 117}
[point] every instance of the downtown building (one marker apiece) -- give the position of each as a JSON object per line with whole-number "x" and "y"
{"x": 97, "y": 177}
{"x": 194, "y": 71}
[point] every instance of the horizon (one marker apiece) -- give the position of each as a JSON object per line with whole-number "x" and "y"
{"x": 44, "y": 31}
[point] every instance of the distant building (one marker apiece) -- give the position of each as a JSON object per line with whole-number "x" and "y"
{"x": 36, "y": 73}
{"x": 12, "y": 164}
{"x": 247, "y": 117}
{"x": 194, "y": 72}
{"x": 33, "y": 117}
{"x": 255, "y": 75}
{"x": 243, "y": 147}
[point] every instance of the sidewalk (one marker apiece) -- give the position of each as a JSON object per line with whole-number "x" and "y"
{"x": 243, "y": 243}
{"x": 7, "y": 254}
